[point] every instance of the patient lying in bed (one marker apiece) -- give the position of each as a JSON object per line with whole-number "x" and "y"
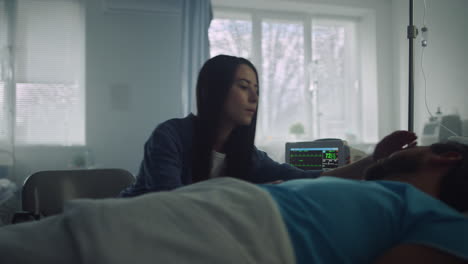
{"x": 407, "y": 212}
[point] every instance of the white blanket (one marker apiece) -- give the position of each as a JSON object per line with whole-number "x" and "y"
{"x": 218, "y": 221}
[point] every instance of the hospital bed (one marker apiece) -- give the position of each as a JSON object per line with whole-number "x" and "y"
{"x": 45, "y": 192}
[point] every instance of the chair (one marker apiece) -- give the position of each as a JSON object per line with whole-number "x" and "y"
{"x": 45, "y": 192}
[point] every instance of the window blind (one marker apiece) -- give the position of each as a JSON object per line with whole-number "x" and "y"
{"x": 49, "y": 72}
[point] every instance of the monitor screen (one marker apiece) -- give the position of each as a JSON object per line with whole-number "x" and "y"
{"x": 314, "y": 158}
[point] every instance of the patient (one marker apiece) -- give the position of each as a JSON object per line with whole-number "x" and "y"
{"x": 408, "y": 211}
{"x": 390, "y": 218}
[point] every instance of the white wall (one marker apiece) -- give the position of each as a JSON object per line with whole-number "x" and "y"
{"x": 133, "y": 80}
{"x": 132, "y": 84}
{"x": 445, "y": 58}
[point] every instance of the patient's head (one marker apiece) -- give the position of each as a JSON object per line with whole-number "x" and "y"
{"x": 440, "y": 170}
{"x": 454, "y": 185}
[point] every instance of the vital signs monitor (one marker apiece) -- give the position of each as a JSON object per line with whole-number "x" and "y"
{"x": 322, "y": 154}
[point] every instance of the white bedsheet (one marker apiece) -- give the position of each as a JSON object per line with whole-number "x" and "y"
{"x": 218, "y": 221}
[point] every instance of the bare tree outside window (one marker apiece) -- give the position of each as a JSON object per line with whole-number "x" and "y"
{"x": 328, "y": 75}
{"x": 282, "y": 101}
{"x": 334, "y": 75}
{"x": 231, "y": 37}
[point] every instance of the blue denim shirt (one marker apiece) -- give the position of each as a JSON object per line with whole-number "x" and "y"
{"x": 167, "y": 161}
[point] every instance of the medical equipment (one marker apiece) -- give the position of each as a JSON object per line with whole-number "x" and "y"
{"x": 322, "y": 154}
{"x": 440, "y": 128}
{"x": 412, "y": 33}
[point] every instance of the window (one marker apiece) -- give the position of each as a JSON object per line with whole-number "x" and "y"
{"x": 231, "y": 34}
{"x": 282, "y": 85}
{"x": 335, "y": 80}
{"x": 310, "y": 73}
{"x": 48, "y": 66}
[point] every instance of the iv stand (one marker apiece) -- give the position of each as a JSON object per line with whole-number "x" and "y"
{"x": 412, "y": 33}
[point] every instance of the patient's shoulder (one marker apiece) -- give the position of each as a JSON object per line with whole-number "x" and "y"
{"x": 414, "y": 253}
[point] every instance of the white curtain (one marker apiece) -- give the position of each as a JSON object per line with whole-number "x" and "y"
{"x": 197, "y": 15}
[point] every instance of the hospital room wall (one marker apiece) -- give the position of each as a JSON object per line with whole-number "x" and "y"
{"x": 132, "y": 79}
{"x": 445, "y": 59}
{"x": 132, "y": 83}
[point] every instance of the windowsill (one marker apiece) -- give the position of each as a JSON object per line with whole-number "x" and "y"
{"x": 52, "y": 146}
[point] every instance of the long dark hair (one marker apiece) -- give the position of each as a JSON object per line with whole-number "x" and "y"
{"x": 214, "y": 81}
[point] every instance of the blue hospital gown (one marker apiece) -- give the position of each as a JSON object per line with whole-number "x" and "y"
{"x": 333, "y": 220}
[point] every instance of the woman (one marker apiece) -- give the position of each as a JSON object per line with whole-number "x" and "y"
{"x": 219, "y": 141}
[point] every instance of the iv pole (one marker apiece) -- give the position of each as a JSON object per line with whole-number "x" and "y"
{"x": 412, "y": 33}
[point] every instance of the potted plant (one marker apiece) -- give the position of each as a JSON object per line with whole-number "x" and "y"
{"x": 297, "y": 129}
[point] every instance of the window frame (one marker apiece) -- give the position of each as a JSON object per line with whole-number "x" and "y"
{"x": 364, "y": 23}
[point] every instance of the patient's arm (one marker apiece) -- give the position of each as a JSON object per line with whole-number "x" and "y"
{"x": 412, "y": 253}
{"x": 390, "y": 144}
{"x": 394, "y": 142}
{"x": 354, "y": 170}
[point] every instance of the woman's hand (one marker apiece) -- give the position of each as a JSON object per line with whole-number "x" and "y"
{"x": 394, "y": 142}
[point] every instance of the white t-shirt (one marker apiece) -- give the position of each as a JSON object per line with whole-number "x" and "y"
{"x": 217, "y": 161}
